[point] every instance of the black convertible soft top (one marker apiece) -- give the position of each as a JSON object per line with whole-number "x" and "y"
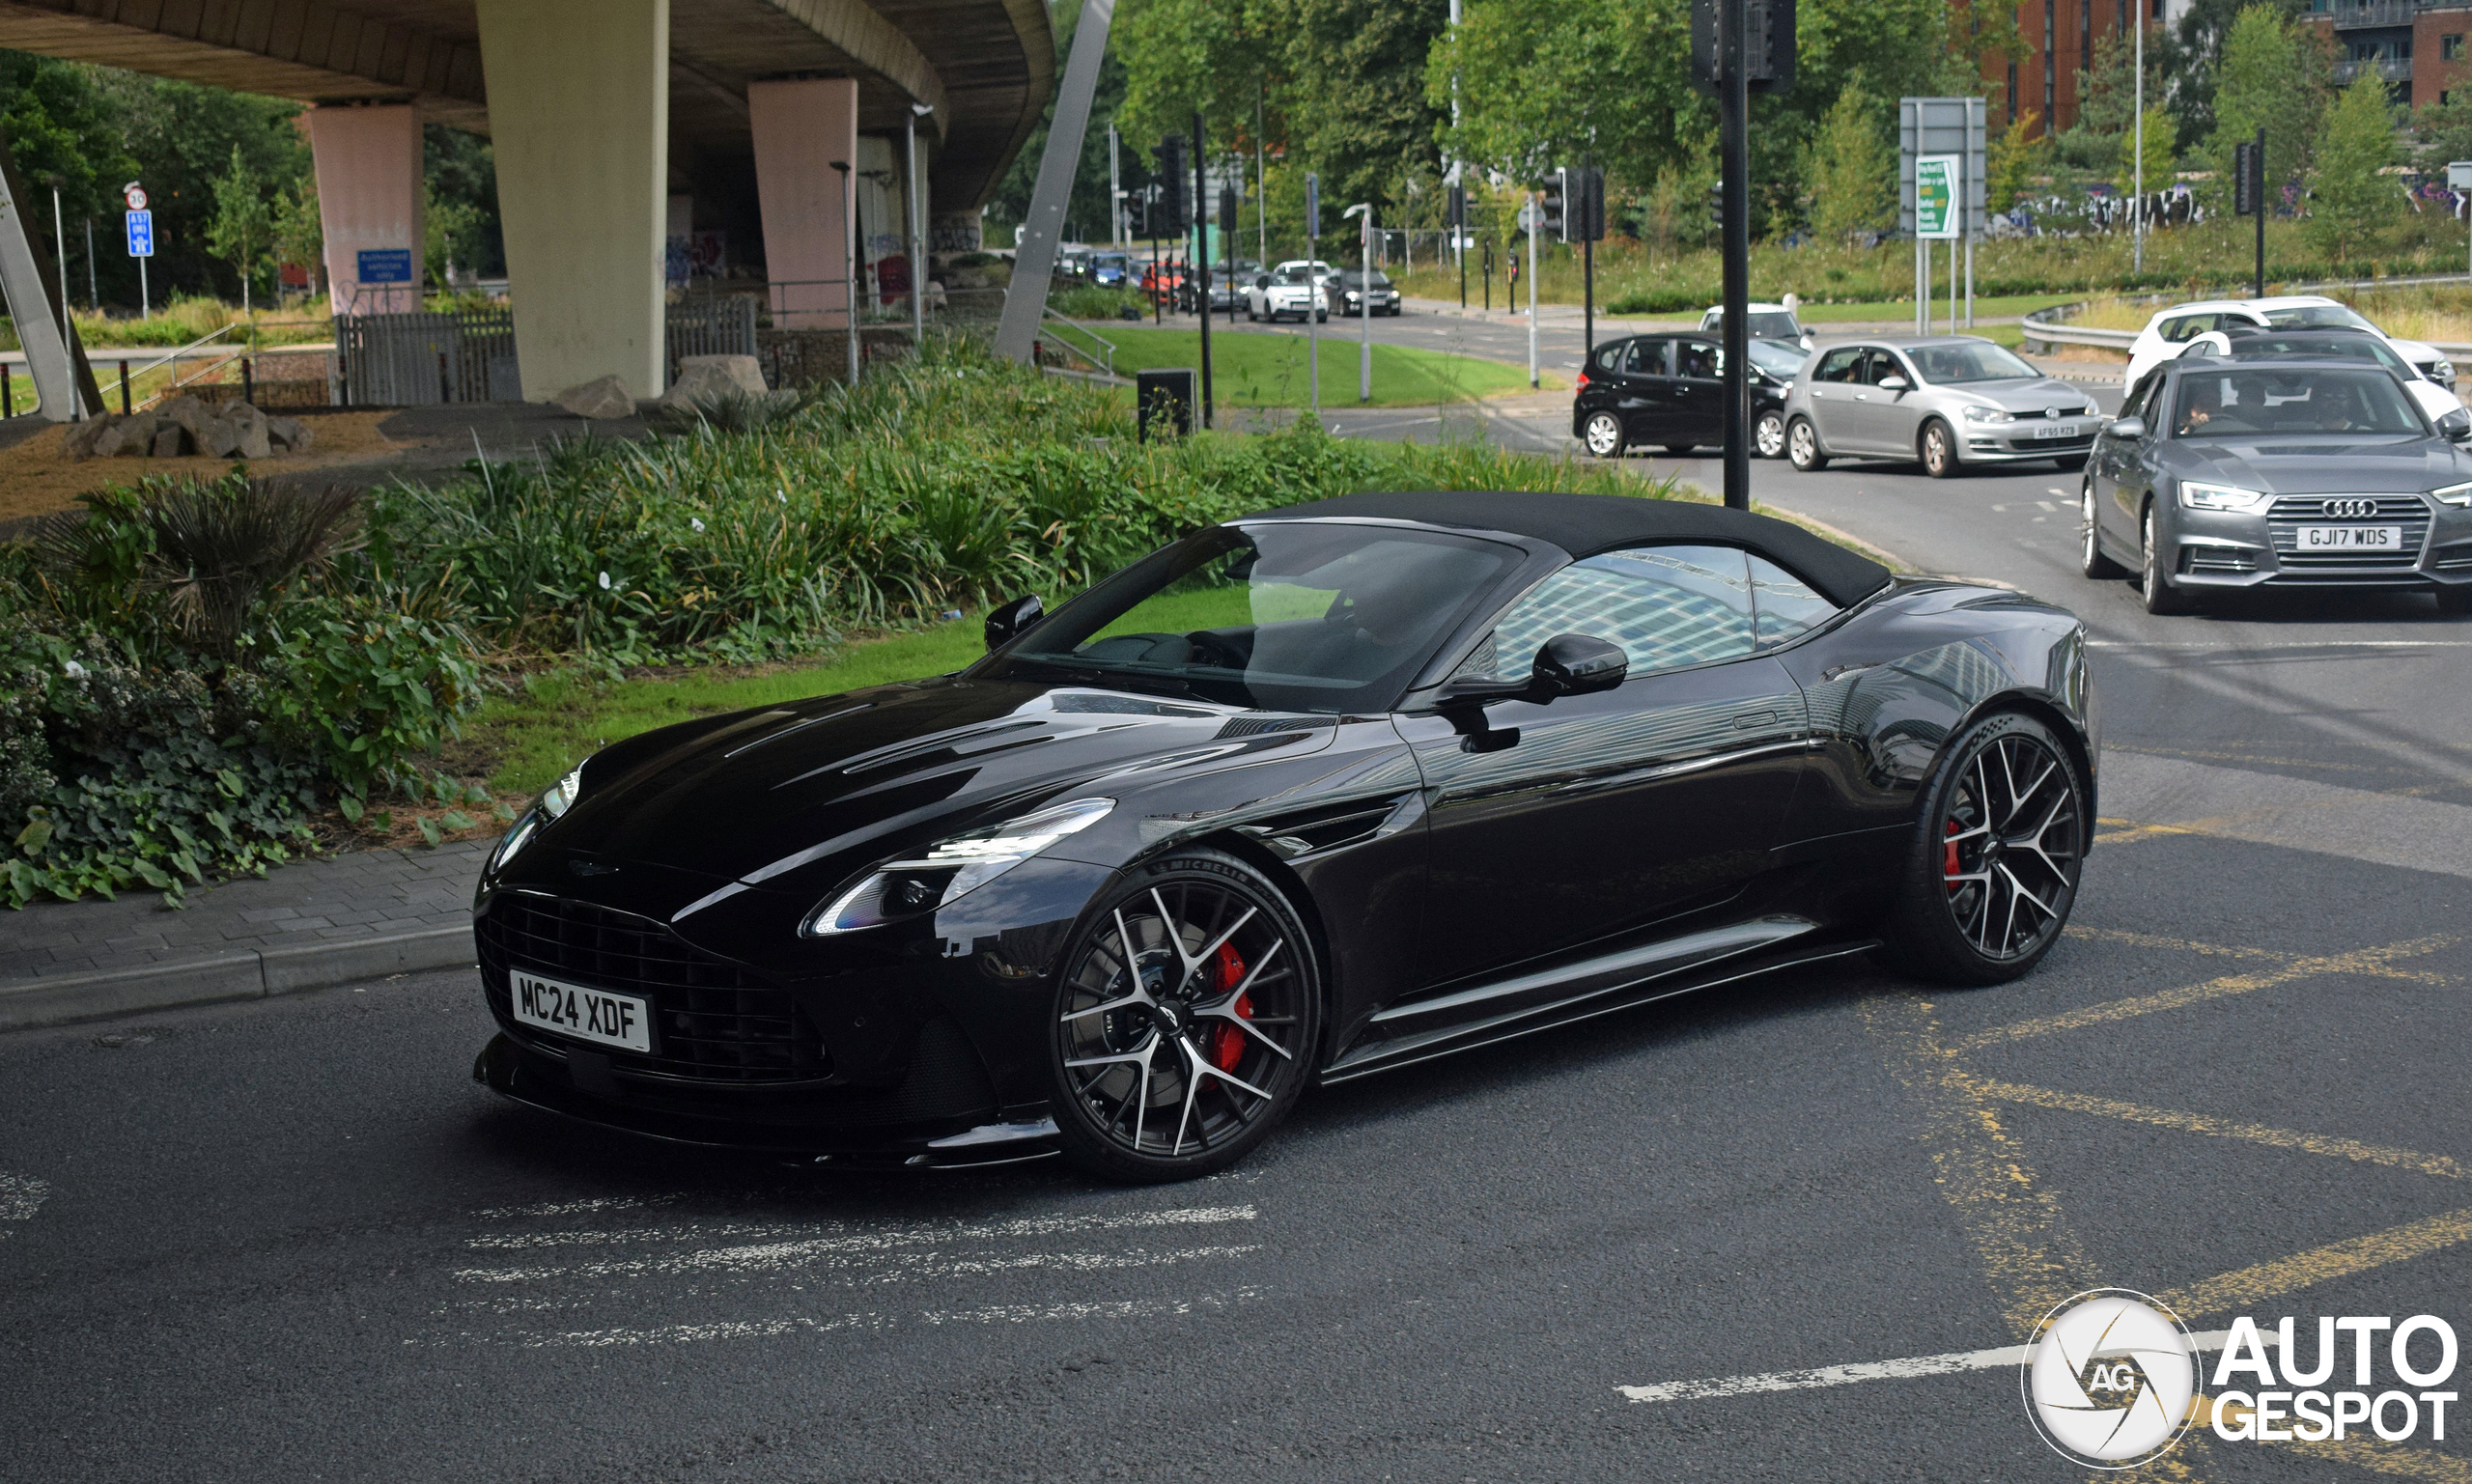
{"x": 1585, "y": 525}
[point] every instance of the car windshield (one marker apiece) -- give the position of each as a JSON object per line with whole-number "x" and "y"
{"x": 1765, "y": 323}
{"x": 1277, "y": 615}
{"x": 1295, "y": 278}
{"x": 1109, "y": 260}
{"x": 2349, "y": 348}
{"x": 1782, "y": 362}
{"x": 1354, "y": 279}
{"x": 2214, "y": 404}
{"x": 1981, "y": 361}
{"x": 2311, "y": 316}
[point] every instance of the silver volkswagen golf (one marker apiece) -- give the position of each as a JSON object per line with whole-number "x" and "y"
{"x": 1950, "y": 402}
{"x": 2287, "y": 473}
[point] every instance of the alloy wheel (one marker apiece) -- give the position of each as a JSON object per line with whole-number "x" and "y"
{"x": 1939, "y": 457}
{"x": 2013, "y": 835}
{"x": 1603, "y": 433}
{"x": 1802, "y": 446}
{"x": 1184, "y": 1020}
{"x": 1769, "y": 435}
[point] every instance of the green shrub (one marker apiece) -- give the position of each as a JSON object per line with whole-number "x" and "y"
{"x": 371, "y": 686}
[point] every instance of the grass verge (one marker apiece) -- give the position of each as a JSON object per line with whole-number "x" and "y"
{"x": 1253, "y": 369}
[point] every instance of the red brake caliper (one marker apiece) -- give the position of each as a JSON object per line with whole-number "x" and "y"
{"x": 1948, "y": 867}
{"x": 1228, "y": 1049}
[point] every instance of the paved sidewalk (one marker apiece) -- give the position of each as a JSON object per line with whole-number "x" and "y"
{"x": 307, "y": 925}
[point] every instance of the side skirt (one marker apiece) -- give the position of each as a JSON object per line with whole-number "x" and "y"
{"x": 1390, "y": 1054}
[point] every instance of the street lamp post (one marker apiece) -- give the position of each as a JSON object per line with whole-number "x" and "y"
{"x": 1364, "y": 299}
{"x": 918, "y": 228}
{"x": 849, "y": 261}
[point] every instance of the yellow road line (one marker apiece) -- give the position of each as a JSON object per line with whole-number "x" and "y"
{"x": 2015, "y": 1227}
{"x": 2234, "y": 1291}
{"x": 2179, "y": 944}
{"x": 2219, "y": 1127}
{"x": 2373, "y": 962}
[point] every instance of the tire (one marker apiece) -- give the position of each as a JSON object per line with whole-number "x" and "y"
{"x": 1602, "y": 433}
{"x": 1174, "y": 1057}
{"x": 1802, "y": 447}
{"x": 1991, "y": 874}
{"x": 2070, "y": 464}
{"x": 2155, "y": 584}
{"x": 1250, "y": 317}
{"x": 1682, "y": 450}
{"x": 1939, "y": 448}
{"x": 2091, "y": 560}
{"x": 1768, "y": 435}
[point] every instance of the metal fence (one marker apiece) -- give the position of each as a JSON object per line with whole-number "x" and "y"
{"x": 720, "y": 325}
{"x": 418, "y": 360}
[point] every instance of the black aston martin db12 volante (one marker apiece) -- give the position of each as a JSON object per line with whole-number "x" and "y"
{"x": 1300, "y": 797}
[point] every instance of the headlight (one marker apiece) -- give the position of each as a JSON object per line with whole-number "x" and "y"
{"x": 1988, "y": 415}
{"x": 950, "y": 869}
{"x": 2453, "y": 494}
{"x": 562, "y": 794}
{"x": 2200, "y": 497}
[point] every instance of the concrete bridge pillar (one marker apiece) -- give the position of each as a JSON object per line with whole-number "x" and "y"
{"x": 801, "y": 128}
{"x": 369, "y": 202}
{"x": 579, "y": 117}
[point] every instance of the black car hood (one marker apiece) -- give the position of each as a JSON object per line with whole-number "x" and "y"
{"x": 797, "y": 796}
{"x": 2310, "y": 465}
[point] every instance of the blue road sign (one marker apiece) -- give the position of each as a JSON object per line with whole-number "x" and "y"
{"x": 1312, "y": 204}
{"x": 141, "y": 234}
{"x": 385, "y": 265}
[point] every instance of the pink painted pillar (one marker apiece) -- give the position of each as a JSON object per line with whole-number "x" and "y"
{"x": 801, "y": 128}
{"x": 369, "y": 200}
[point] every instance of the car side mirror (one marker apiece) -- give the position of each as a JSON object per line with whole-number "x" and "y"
{"x": 2130, "y": 428}
{"x": 1894, "y": 383}
{"x": 1566, "y": 664}
{"x": 1013, "y": 619}
{"x": 2457, "y": 432}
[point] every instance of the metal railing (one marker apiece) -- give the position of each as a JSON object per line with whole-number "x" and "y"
{"x": 723, "y": 326}
{"x": 1101, "y": 351}
{"x": 419, "y": 360}
{"x": 2392, "y": 68}
{"x": 2373, "y": 13}
{"x": 172, "y": 359}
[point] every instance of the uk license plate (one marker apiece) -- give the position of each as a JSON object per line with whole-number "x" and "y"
{"x": 582, "y": 1012}
{"x": 2351, "y": 538}
{"x": 2057, "y": 430}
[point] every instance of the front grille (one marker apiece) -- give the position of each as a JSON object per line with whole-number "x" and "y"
{"x": 2286, "y": 516}
{"x": 2217, "y": 561}
{"x": 713, "y": 1020}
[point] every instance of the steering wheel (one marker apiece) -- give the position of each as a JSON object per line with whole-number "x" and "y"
{"x": 1216, "y": 650}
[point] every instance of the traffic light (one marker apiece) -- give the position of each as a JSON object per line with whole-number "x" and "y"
{"x": 2248, "y": 188}
{"x": 1768, "y": 44}
{"x": 1716, "y": 206}
{"x": 1227, "y": 209}
{"x": 1556, "y": 219}
{"x": 1173, "y": 185}
{"x": 1584, "y": 212}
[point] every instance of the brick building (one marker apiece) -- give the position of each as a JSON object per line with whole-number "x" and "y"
{"x": 2416, "y": 45}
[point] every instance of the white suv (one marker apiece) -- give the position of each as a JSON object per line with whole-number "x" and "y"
{"x": 1274, "y": 297}
{"x": 2169, "y": 331}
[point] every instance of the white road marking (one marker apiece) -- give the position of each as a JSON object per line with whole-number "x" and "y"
{"x": 2056, "y": 489}
{"x": 579, "y": 1207}
{"x": 1122, "y": 1309}
{"x": 1906, "y": 1369}
{"x": 2046, "y": 504}
{"x": 802, "y": 1324}
{"x": 20, "y": 1197}
{"x": 2002, "y": 509}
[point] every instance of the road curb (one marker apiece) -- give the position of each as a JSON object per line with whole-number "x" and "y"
{"x": 27, "y": 1004}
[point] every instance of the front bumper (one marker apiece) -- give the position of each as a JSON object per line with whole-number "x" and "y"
{"x": 2241, "y": 549}
{"x": 2016, "y": 443}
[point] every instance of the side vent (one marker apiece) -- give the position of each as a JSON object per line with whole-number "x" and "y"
{"x": 1312, "y": 831}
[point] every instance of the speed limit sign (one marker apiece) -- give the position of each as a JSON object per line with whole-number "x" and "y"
{"x": 137, "y": 195}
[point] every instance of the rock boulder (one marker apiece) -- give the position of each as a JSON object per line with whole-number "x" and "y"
{"x": 607, "y": 397}
{"x": 712, "y": 375}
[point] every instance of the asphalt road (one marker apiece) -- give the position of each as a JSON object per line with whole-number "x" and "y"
{"x": 293, "y": 1240}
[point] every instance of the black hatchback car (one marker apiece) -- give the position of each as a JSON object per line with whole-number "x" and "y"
{"x": 1670, "y": 390}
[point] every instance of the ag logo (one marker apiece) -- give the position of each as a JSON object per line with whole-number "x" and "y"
{"x": 2108, "y": 1379}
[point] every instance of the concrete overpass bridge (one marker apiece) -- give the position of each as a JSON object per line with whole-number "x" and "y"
{"x": 616, "y": 124}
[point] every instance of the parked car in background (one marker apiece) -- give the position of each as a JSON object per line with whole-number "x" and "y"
{"x": 1670, "y": 391}
{"x": 1948, "y": 400}
{"x": 1111, "y": 269}
{"x": 2171, "y": 331}
{"x": 1768, "y": 321}
{"x": 1320, "y": 270}
{"x": 1348, "y": 292}
{"x": 2247, "y": 342}
{"x": 1274, "y": 296}
{"x": 1165, "y": 282}
{"x": 1228, "y": 282}
{"x": 1073, "y": 262}
{"x": 2222, "y": 474}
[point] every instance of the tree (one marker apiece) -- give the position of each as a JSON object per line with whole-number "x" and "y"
{"x": 2160, "y": 127}
{"x": 181, "y": 135}
{"x": 241, "y": 230}
{"x": 2272, "y": 77}
{"x": 58, "y": 123}
{"x": 2014, "y": 158}
{"x": 2197, "y": 49}
{"x": 2443, "y": 131}
{"x": 1853, "y": 168}
{"x": 2350, "y": 204}
{"x": 300, "y": 231}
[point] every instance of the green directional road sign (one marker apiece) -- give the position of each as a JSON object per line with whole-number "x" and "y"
{"x": 1937, "y": 191}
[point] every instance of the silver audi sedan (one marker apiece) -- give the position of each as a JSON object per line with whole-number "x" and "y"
{"x": 1950, "y": 402}
{"x": 2221, "y": 475}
